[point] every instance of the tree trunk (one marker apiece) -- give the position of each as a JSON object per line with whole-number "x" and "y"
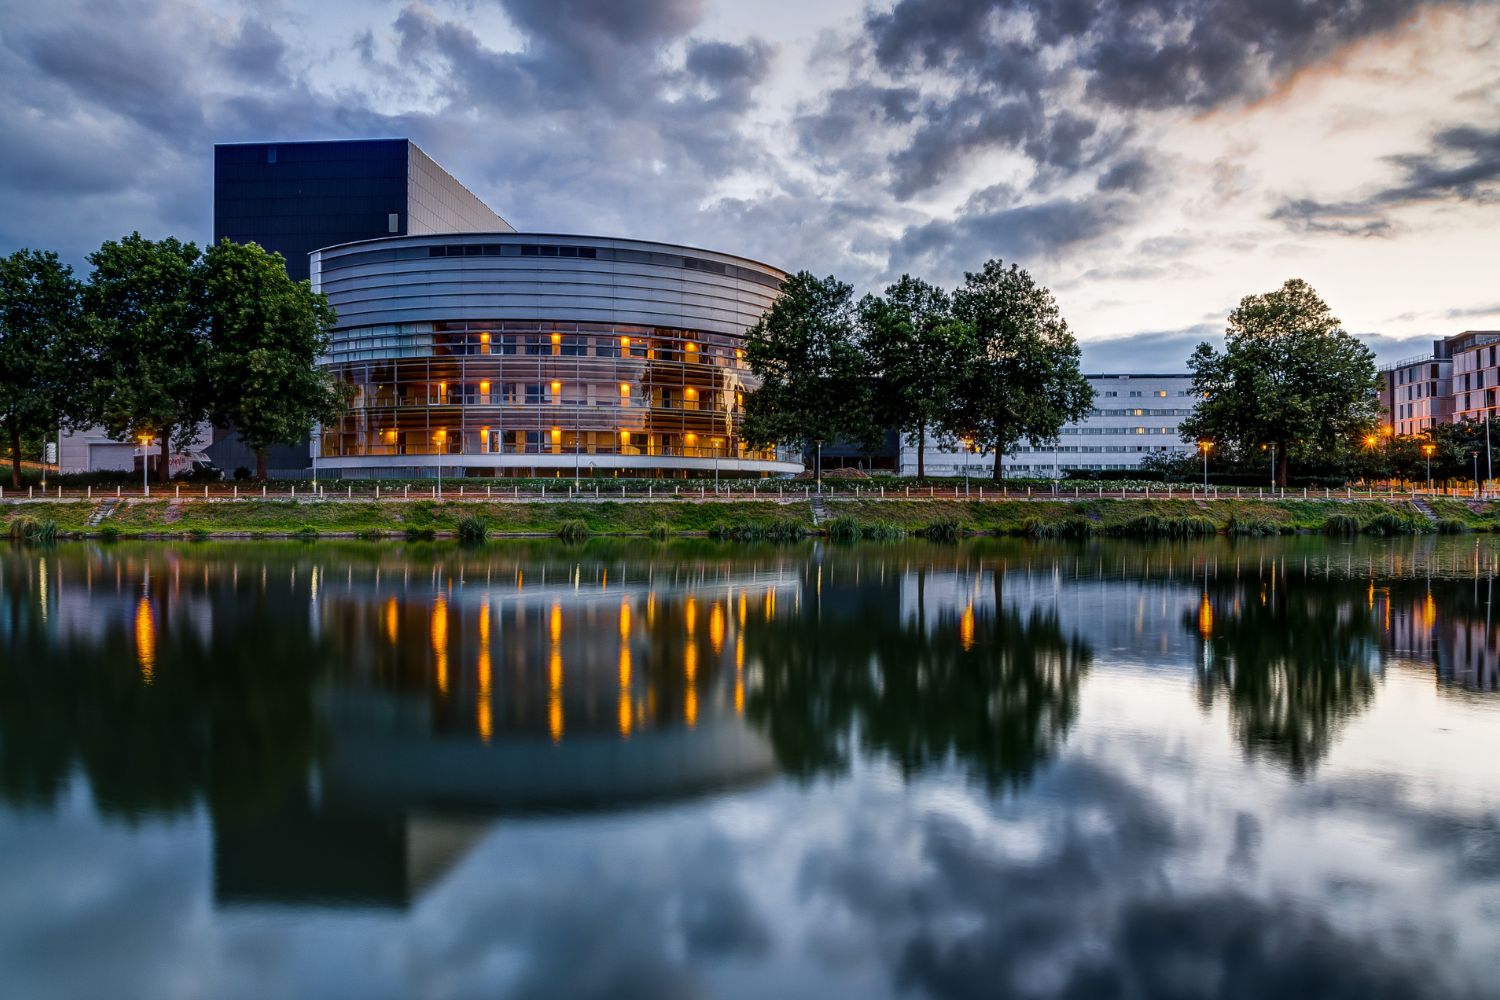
{"x": 164, "y": 463}
{"x": 1281, "y": 466}
{"x": 999, "y": 458}
{"x": 15, "y": 456}
{"x": 260, "y": 464}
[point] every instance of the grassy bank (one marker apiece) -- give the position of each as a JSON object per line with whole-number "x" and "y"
{"x": 417, "y": 517}
{"x": 848, "y": 519}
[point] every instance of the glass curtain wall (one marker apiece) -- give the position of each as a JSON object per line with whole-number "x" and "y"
{"x": 557, "y": 389}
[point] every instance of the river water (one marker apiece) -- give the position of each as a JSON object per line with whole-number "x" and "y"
{"x": 1263, "y": 768}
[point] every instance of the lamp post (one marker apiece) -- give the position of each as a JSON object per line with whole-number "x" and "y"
{"x": 146, "y": 464}
{"x": 439, "y": 439}
{"x": 1205, "y": 447}
{"x": 818, "y": 465}
{"x": 1427, "y": 450}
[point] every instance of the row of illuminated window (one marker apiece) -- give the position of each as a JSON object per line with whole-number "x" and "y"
{"x": 1077, "y": 448}
{"x": 557, "y": 393}
{"x": 1139, "y": 393}
{"x": 1118, "y": 430}
{"x": 556, "y": 440}
{"x": 447, "y": 343}
{"x": 1141, "y": 413}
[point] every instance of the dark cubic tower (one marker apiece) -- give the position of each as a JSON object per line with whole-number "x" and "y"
{"x": 297, "y": 197}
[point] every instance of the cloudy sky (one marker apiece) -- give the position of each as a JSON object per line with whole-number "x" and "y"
{"x": 1150, "y": 160}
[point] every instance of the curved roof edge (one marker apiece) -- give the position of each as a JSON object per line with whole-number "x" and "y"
{"x": 518, "y": 237}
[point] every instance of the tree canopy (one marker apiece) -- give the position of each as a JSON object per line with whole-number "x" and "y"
{"x": 266, "y": 336}
{"x": 1288, "y": 377}
{"x": 807, "y": 352}
{"x": 913, "y": 343}
{"x": 1020, "y": 378}
{"x": 42, "y": 350}
{"x": 146, "y": 310}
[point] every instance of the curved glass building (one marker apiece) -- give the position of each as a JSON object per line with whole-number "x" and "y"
{"x": 521, "y": 354}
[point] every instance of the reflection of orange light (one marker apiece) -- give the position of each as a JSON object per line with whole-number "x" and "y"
{"x": 690, "y": 615}
{"x": 554, "y": 624}
{"x": 651, "y": 609}
{"x": 145, "y": 640}
{"x": 483, "y": 721}
{"x": 716, "y": 627}
{"x": 625, "y": 666}
{"x": 742, "y": 605}
{"x": 690, "y": 662}
{"x": 739, "y": 674}
{"x": 768, "y": 609}
{"x": 690, "y": 708}
{"x": 438, "y": 629}
{"x": 624, "y": 619}
{"x": 554, "y": 695}
{"x": 1205, "y": 617}
{"x": 627, "y": 719}
{"x": 392, "y": 620}
{"x": 966, "y": 627}
{"x": 1429, "y": 613}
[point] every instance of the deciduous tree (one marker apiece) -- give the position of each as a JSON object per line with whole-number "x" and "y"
{"x": 145, "y": 306}
{"x": 1019, "y": 378}
{"x": 267, "y": 334}
{"x": 912, "y": 343}
{"x": 1288, "y": 376}
{"x": 42, "y": 350}
{"x": 807, "y": 354}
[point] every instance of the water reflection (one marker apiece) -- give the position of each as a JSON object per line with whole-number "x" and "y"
{"x": 352, "y": 720}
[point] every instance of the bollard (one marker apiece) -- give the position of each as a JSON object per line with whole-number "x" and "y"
{"x": 177, "y": 492}
{"x": 236, "y": 492}
{"x": 294, "y": 492}
{"x": 117, "y": 492}
{"x": 377, "y": 491}
{"x": 89, "y": 489}
{"x": 30, "y": 493}
{"x": 351, "y": 492}
{"x": 262, "y": 492}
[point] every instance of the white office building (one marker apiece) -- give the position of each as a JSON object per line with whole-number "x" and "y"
{"x": 1134, "y": 416}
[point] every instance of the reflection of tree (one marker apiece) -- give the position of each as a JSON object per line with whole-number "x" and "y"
{"x": 995, "y": 693}
{"x": 227, "y": 715}
{"x": 1293, "y": 659}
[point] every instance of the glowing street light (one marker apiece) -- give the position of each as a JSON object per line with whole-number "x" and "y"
{"x": 1428, "y": 449}
{"x": 1205, "y": 447}
{"x": 146, "y": 440}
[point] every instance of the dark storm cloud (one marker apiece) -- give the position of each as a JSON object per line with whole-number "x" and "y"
{"x": 978, "y": 917}
{"x": 1463, "y": 165}
{"x": 1042, "y": 80}
{"x": 990, "y": 225}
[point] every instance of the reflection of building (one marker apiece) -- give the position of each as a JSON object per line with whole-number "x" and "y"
{"x": 1134, "y": 416}
{"x": 525, "y": 354}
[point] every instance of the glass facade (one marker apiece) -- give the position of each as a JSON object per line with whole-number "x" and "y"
{"x": 562, "y": 390}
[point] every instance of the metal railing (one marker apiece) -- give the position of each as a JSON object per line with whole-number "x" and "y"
{"x": 567, "y": 489}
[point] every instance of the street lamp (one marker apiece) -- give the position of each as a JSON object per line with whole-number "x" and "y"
{"x": 1427, "y": 450}
{"x": 146, "y": 440}
{"x": 818, "y": 465}
{"x": 440, "y": 438}
{"x": 1205, "y": 447}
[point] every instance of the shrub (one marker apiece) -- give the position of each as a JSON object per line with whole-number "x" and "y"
{"x": 1073, "y": 527}
{"x": 370, "y": 534}
{"x": 241, "y": 473}
{"x": 1391, "y": 523}
{"x": 942, "y": 531}
{"x": 307, "y": 532}
{"x": 1452, "y": 526}
{"x": 109, "y": 532}
{"x": 1251, "y": 527}
{"x": 473, "y": 528}
{"x": 420, "y": 512}
{"x": 843, "y": 529}
{"x": 420, "y": 534}
{"x": 660, "y": 532}
{"x": 573, "y": 530}
{"x": 882, "y": 531}
{"x": 1341, "y": 524}
{"x": 33, "y": 529}
{"x": 774, "y": 531}
{"x": 198, "y": 534}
